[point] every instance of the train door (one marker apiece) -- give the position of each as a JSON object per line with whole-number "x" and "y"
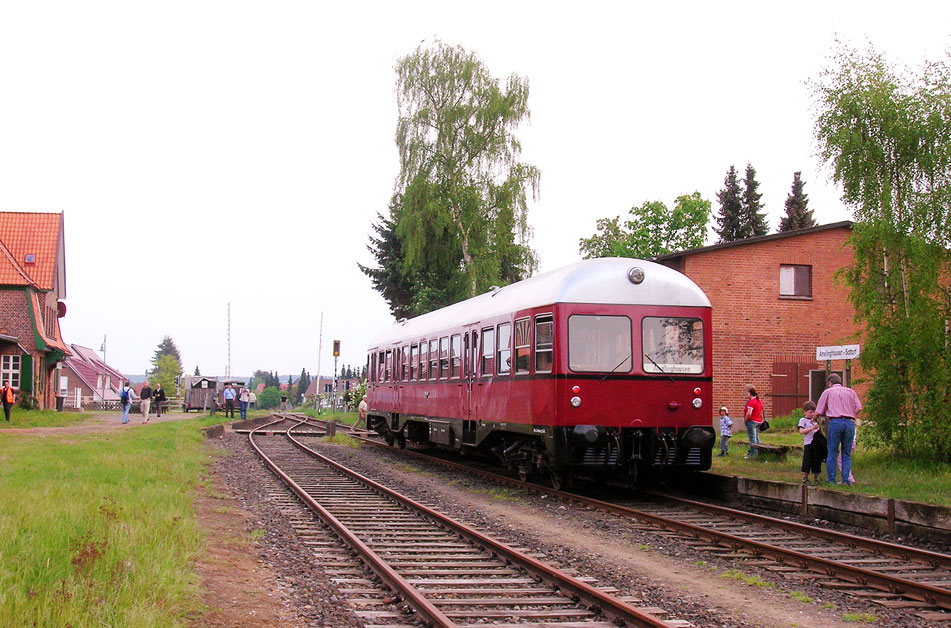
{"x": 469, "y": 374}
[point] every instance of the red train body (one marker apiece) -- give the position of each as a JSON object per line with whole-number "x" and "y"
{"x": 600, "y": 368}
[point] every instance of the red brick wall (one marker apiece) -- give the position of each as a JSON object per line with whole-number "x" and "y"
{"x": 753, "y": 326}
{"x": 15, "y": 318}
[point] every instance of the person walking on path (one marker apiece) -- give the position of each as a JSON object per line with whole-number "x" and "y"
{"x": 284, "y": 402}
{"x": 126, "y": 397}
{"x": 840, "y": 405}
{"x": 813, "y": 450}
{"x": 229, "y": 400}
{"x": 145, "y": 396}
{"x": 362, "y": 410}
{"x": 8, "y": 396}
{"x": 158, "y": 398}
{"x": 245, "y": 398}
{"x": 254, "y": 400}
{"x": 753, "y": 417}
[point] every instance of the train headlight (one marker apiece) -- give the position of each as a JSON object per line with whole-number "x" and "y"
{"x": 576, "y": 401}
{"x": 635, "y": 275}
{"x": 697, "y": 403}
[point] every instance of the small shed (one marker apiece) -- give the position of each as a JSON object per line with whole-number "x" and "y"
{"x": 201, "y": 393}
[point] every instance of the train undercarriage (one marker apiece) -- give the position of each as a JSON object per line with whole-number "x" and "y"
{"x": 560, "y": 453}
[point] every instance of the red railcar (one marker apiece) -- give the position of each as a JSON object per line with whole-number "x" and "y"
{"x": 600, "y": 368}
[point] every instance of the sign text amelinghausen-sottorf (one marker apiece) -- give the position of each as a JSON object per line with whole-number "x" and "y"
{"x": 844, "y": 352}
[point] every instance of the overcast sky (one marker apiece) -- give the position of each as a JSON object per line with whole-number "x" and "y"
{"x": 208, "y": 153}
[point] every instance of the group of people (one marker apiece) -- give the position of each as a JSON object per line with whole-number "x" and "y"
{"x": 149, "y": 398}
{"x": 838, "y": 404}
{"x": 245, "y": 398}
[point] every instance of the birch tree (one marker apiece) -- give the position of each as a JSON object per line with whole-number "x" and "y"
{"x": 886, "y": 133}
{"x": 464, "y": 191}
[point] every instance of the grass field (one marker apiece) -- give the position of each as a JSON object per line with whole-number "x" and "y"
{"x": 876, "y": 472}
{"x": 98, "y": 529}
{"x": 41, "y": 418}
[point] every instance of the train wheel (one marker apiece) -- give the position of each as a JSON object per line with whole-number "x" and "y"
{"x": 524, "y": 473}
{"x": 401, "y": 441}
{"x": 561, "y": 481}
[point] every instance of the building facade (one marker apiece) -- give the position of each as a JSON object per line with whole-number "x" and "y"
{"x": 775, "y": 300}
{"x": 32, "y": 286}
{"x": 85, "y": 381}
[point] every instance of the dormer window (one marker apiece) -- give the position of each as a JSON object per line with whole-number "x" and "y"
{"x": 29, "y": 258}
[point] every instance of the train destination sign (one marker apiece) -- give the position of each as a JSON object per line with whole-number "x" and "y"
{"x": 844, "y": 352}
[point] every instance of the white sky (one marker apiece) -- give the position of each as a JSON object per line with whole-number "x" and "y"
{"x": 212, "y": 152}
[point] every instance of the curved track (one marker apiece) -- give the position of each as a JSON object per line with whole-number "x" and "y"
{"x": 895, "y": 576}
{"x": 450, "y": 574}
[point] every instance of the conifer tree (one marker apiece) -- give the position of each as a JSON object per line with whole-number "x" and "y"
{"x": 754, "y": 219}
{"x": 729, "y": 218}
{"x": 797, "y": 216}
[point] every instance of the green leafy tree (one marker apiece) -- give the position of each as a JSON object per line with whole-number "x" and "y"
{"x": 197, "y": 372}
{"x": 754, "y": 218}
{"x": 269, "y": 398}
{"x": 730, "y": 216}
{"x": 886, "y": 133}
{"x": 462, "y": 224}
{"x": 652, "y": 230}
{"x": 166, "y": 371}
{"x": 166, "y": 347}
{"x": 797, "y": 215}
{"x": 303, "y": 382}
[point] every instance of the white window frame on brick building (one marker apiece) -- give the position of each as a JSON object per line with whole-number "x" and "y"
{"x": 10, "y": 370}
{"x": 795, "y": 281}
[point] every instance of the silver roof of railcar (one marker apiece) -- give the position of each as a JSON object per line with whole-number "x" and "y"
{"x": 603, "y": 280}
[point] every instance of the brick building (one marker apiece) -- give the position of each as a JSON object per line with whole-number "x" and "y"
{"x": 32, "y": 284}
{"x": 775, "y": 299}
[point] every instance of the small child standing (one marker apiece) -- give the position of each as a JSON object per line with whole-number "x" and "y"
{"x": 726, "y": 431}
{"x": 813, "y": 453}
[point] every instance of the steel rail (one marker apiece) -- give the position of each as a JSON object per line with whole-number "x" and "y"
{"x": 599, "y": 601}
{"x": 411, "y": 595}
{"x": 858, "y": 575}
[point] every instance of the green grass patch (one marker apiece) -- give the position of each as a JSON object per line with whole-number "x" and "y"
{"x": 753, "y": 581}
{"x": 342, "y": 440}
{"x": 799, "y": 596}
{"x": 41, "y": 418}
{"x": 99, "y": 529}
{"x": 863, "y": 618}
{"x": 876, "y": 472}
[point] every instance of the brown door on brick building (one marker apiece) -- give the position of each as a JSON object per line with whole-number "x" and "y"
{"x": 790, "y": 386}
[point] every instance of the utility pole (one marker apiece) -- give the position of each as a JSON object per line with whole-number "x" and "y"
{"x": 320, "y": 350}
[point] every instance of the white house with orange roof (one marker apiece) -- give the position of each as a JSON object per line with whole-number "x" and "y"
{"x": 32, "y": 286}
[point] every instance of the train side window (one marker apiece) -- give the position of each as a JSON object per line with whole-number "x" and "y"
{"x": 455, "y": 361}
{"x": 488, "y": 351}
{"x": 380, "y": 366}
{"x": 423, "y": 360}
{"x": 389, "y": 366}
{"x": 372, "y": 368}
{"x": 444, "y": 357}
{"x": 433, "y": 359}
{"x": 413, "y": 362}
{"x": 474, "y": 354}
{"x": 404, "y": 352}
{"x": 523, "y": 348}
{"x": 544, "y": 343}
{"x": 504, "y": 353}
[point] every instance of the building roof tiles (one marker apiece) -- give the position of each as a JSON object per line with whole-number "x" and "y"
{"x": 33, "y": 234}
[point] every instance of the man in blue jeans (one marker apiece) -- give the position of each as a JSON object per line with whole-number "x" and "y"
{"x": 840, "y": 405}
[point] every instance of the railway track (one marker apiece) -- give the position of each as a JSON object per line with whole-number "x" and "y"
{"x": 447, "y": 573}
{"x": 890, "y": 575}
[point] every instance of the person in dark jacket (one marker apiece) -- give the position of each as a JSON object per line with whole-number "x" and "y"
{"x": 145, "y": 400}
{"x": 158, "y": 398}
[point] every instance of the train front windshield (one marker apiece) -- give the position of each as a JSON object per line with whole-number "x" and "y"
{"x": 672, "y": 345}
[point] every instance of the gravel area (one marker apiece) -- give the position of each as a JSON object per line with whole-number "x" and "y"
{"x": 699, "y": 587}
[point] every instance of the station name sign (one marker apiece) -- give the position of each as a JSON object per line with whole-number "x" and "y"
{"x": 844, "y": 352}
